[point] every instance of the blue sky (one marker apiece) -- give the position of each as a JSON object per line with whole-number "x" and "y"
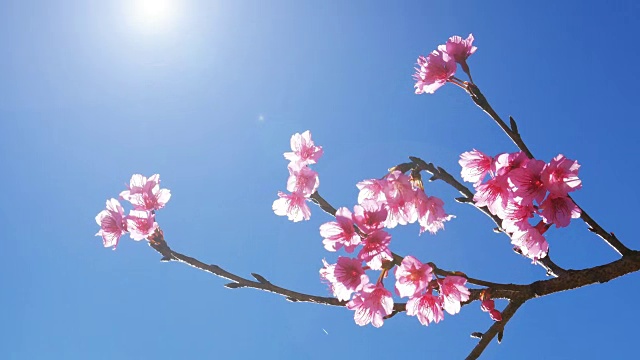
{"x": 91, "y": 93}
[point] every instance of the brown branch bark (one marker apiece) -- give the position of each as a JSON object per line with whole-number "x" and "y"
{"x": 496, "y": 328}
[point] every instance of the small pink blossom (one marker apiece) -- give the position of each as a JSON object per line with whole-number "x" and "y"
{"x": 344, "y": 277}
{"x": 531, "y": 243}
{"x": 145, "y": 193}
{"x": 292, "y": 205}
{"x": 527, "y": 184}
{"x": 112, "y": 223}
{"x": 370, "y": 216}
{"x": 433, "y": 71}
{"x": 460, "y": 49}
{"x": 504, "y": 163}
{"x": 371, "y": 305}
{"x": 488, "y": 305}
{"x": 378, "y": 261}
{"x": 400, "y": 197}
{"x": 412, "y": 276}
{"x": 426, "y": 307}
{"x": 340, "y": 233}
{"x": 516, "y": 216}
{"x": 475, "y": 166}
{"x": 303, "y": 180}
{"x": 375, "y": 244}
{"x": 559, "y": 210}
{"x": 453, "y": 291}
{"x": 304, "y": 150}
{"x": 372, "y": 189}
{"x": 141, "y": 224}
{"x": 561, "y": 176}
{"x": 495, "y": 195}
{"x": 431, "y": 214}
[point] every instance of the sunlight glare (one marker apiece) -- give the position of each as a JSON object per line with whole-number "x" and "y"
{"x": 153, "y": 15}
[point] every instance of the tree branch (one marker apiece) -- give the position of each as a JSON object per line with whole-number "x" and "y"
{"x": 514, "y": 135}
{"x": 496, "y": 328}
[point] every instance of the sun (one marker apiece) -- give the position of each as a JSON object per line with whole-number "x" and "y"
{"x": 153, "y": 15}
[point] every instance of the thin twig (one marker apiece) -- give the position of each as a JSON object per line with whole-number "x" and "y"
{"x": 496, "y": 328}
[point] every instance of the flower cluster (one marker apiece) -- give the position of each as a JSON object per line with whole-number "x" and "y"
{"x": 302, "y": 180}
{"x": 439, "y": 67}
{"x": 396, "y": 199}
{"x": 146, "y": 197}
{"x": 519, "y": 187}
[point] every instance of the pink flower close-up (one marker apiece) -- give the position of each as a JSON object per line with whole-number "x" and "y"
{"x": 526, "y": 182}
{"x": 145, "y": 193}
{"x": 303, "y": 180}
{"x": 344, "y": 277}
{"x": 371, "y": 305}
{"x": 412, "y": 276}
{"x": 431, "y": 214}
{"x": 504, "y": 163}
{"x": 460, "y": 49}
{"x": 532, "y": 244}
{"x": 561, "y": 176}
{"x": 495, "y": 194}
{"x": 453, "y": 291}
{"x": 559, "y": 210}
{"x": 475, "y": 166}
{"x": 304, "y": 152}
{"x": 375, "y": 244}
{"x": 370, "y": 216}
{"x": 433, "y": 72}
{"x": 292, "y": 205}
{"x": 141, "y": 224}
{"x": 340, "y": 233}
{"x": 516, "y": 216}
{"x": 372, "y": 189}
{"x": 427, "y": 307}
{"x": 112, "y": 223}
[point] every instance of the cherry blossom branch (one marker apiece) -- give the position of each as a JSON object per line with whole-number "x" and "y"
{"x": 496, "y": 329}
{"x": 512, "y": 132}
{"x": 158, "y": 243}
{"x": 439, "y": 173}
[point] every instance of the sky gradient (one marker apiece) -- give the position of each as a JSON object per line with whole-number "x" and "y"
{"x": 92, "y": 93}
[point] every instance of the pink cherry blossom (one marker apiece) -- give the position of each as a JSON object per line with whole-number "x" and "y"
{"x": 378, "y": 261}
{"x": 145, "y": 193}
{"x": 431, "y": 214}
{"x": 494, "y": 194}
{"x": 372, "y": 189}
{"x": 453, "y": 291}
{"x": 304, "y": 150}
{"x": 371, "y": 305}
{"x": 303, "y": 180}
{"x": 433, "y": 71}
{"x": 375, "y": 244}
{"x": 504, "y": 163}
{"x": 559, "y": 210}
{"x": 460, "y": 49}
{"x": 112, "y": 223}
{"x": 531, "y": 243}
{"x": 475, "y": 166}
{"x": 292, "y": 205}
{"x": 427, "y": 307}
{"x": 526, "y": 182}
{"x": 412, "y": 276}
{"x": 561, "y": 176}
{"x": 400, "y": 197}
{"x": 370, "y": 216}
{"x": 340, "y": 233}
{"x": 141, "y": 224}
{"x": 516, "y": 216}
{"x": 488, "y": 305}
{"x": 344, "y": 277}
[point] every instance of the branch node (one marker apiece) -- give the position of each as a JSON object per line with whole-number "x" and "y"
{"x": 291, "y": 299}
{"x": 500, "y": 334}
{"x": 166, "y": 258}
{"x": 477, "y": 335}
{"x": 260, "y": 278}
{"x": 514, "y": 126}
{"x": 233, "y": 285}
